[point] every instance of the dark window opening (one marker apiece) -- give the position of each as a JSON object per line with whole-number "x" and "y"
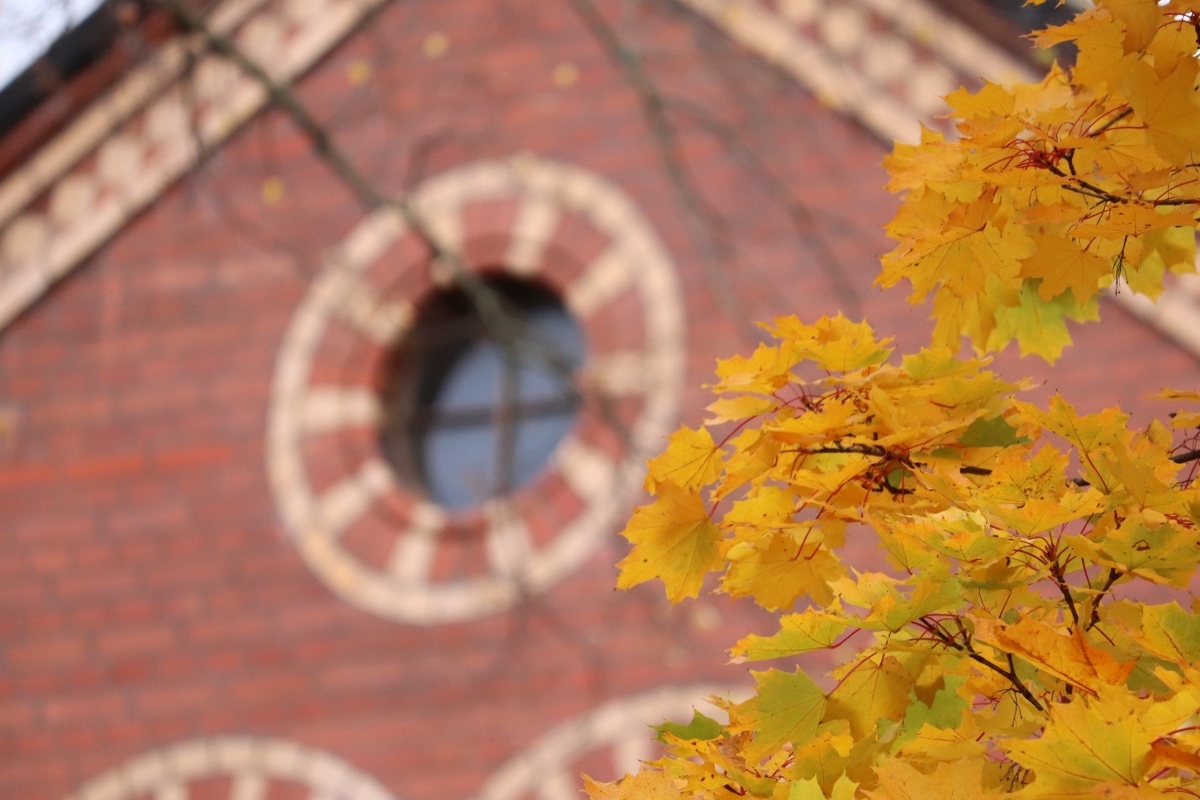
{"x": 475, "y": 408}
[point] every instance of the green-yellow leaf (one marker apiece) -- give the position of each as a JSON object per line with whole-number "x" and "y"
{"x": 786, "y": 710}
{"x": 809, "y": 630}
{"x": 1039, "y": 326}
{"x": 810, "y": 789}
{"x": 701, "y": 727}
{"x": 1171, "y": 633}
{"x": 945, "y": 712}
{"x": 993, "y": 432}
{"x": 1093, "y": 741}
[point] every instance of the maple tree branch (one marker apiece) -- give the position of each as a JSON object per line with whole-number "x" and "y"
{"x": 281, "y": 96}
{"x": 1113, "y": 575}
{"x": 1185, "y": 457}
{"x": 1109, "y": 123}
{"x": 507, "y": 328}
{"x": 964, "y": 646}
{"x": 851, "y": 449}
{"x": 1088, "y": 189}
{"x": 1056, "y": 573}
{"x": 503, "y": 324}
{"x": 1011, "y": 674}
{"x": 802, "y": 217}
{"x": 700, "y": 217}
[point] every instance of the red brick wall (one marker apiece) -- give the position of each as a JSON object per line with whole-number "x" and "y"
{"x": 148, "y": 592}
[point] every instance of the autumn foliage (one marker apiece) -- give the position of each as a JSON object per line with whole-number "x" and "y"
{"x": 1000, "y": 654}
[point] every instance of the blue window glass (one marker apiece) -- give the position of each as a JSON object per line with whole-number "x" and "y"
{"x": 475, "y": 407}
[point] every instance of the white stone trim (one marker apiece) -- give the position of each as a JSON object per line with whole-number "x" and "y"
{"x": 332, "y": 408}
{"x": 142, "y": 141}
{"x": 534, "y": 226}
{"x": 621, "y": 725}
{"x": 251, "y": 762}
{"x": 404, "y": 591}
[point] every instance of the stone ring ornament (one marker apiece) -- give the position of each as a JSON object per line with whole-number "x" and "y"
{"x": 384, "y": 544}
{"x": 606, "y": 742}
{"x": 238, "y": 767}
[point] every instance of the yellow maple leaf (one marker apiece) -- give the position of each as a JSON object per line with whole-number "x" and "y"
{"x": 1102, "y": 60}
{"x": 1134, "y": 219}
{"x": 1167, "y": 106}
{"x": 956, "y": 780}
{"x": 1140, "y": 19}
{"x": 786, "y": 709}
{"x": 914, "y": 167}
{"x": 812, "y": 629}
{"x": 754, "y": 454}
{"x": 647, "y": 784}
{"x": 1171, "y": 633}
{"x": 993, "y": 100}
{"x": 690, "y": 461}
{"x": 765, "y": 371}
{"x": 673, "y": 540}
{"x": 1093, "y": 743}
{"x": 937, "y": 233}
{"x": 779, "y": 569}
{"x": 816, "y": 427}
{"x": 1136, "y": 474}
{"x": 737, "y": 409}
{"x": 1163, "y": 553}
{"x": 1087, "y": 432}
{"x": 869, "y": 690}
{"x": 1069, "y": 658}
{"x": 1182, "y": 419}
{"x": 1178, "y": 394}
{"x": 1063, "y": 266}
{"x": 959, "y": 534}
{"x": 836, "y": 344}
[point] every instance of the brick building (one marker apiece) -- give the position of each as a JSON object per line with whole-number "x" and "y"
{"x": 226, "y": 571}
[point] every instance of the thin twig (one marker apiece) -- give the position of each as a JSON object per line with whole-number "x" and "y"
{"x": 699, "y": 216}
{"x": 965, "y": 647}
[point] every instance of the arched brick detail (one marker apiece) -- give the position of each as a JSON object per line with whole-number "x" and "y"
{"x": 235, "y": 767}
{"x": 612, "y": 738}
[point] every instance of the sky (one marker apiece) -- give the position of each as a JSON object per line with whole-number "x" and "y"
{"x": 28, "y": 27}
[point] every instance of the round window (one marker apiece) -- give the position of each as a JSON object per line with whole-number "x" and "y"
{"x": 432, "y": 462}
{"x": 474, "y": 407}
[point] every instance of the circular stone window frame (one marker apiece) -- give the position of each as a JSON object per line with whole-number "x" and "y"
{"x": 634, "y": 260}
{"x": 250, "y": 762}
{"x": 623, "y": 724}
